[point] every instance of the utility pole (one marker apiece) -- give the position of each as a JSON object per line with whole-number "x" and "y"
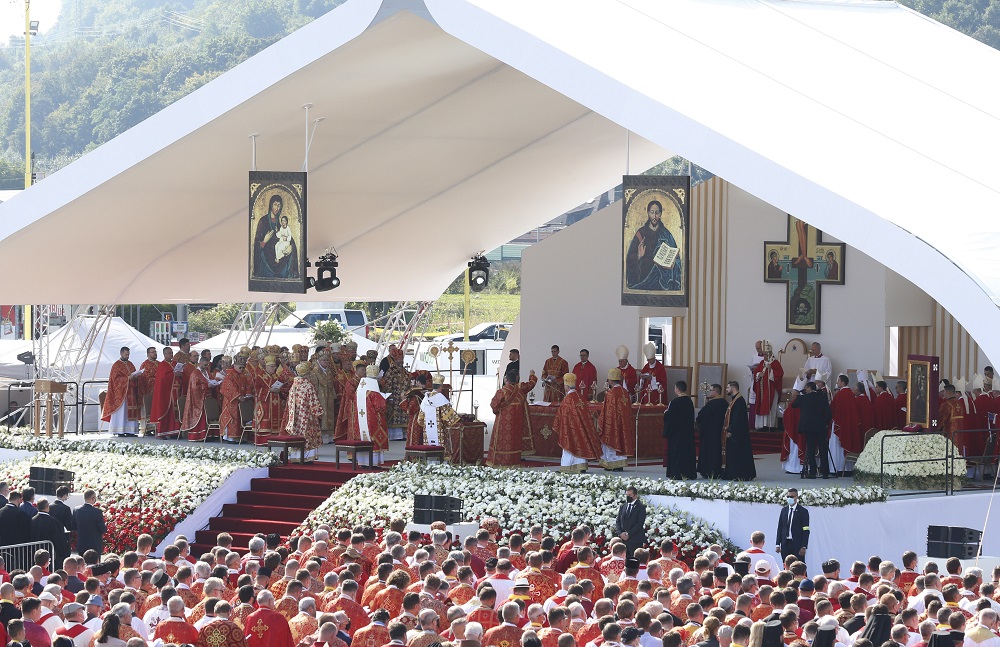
{"x": 27, "y": 94}
{"x": 27, "y": 131}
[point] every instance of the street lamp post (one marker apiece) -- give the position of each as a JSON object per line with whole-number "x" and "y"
{"x": 27, "y": 93}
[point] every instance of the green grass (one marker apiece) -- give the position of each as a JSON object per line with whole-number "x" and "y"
{"x": 447, "y": 315}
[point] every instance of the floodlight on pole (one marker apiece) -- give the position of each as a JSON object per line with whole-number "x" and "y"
{"x": 479, "y": 273}
{"x": 326, "y": 272}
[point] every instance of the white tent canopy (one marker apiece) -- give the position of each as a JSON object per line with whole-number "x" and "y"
{"x": 454, "y": 125}
{"x": 277, "y": 336}
{"x": 97, "y": 364}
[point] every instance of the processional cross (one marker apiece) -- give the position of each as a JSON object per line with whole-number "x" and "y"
{"x": 803, "y": 262}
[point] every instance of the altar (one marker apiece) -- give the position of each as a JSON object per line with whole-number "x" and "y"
{"x": 651, "y": 443}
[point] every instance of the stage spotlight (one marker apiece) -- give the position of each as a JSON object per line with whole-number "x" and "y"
{"x": 326, "y": 272}
{"x": 479, "y": 273}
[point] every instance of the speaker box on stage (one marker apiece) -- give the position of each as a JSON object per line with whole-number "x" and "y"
{"x": 953, "y": 541}
{"x": 45, "y": 480}
{"x": 429, "y": 508}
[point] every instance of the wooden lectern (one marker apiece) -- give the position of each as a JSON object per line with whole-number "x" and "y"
{"x": 49, "y": 388}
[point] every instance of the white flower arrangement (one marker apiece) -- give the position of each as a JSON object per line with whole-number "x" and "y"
{"x": 29, "y": 442}
{"x": 518, "y": 498}
{"x": 931, "y": 448}
{"x": 143, "y": 488}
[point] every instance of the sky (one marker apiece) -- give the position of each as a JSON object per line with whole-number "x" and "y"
{"x": 12, "y": 16}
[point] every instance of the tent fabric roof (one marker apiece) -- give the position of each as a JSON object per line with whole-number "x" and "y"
{"x": 454, "y": 125}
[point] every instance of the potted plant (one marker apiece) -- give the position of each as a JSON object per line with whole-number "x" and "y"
{"x": 329, "y": 332}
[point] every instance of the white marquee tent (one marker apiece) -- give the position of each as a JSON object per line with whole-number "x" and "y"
{"x": 452, "y": 126}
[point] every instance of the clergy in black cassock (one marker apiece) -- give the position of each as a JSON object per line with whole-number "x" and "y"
{"x": 678, "y": 429}
{"x": 710, "y": 434}
{"x": 737, "y": 459}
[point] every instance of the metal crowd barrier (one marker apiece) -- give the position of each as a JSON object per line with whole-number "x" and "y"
{"x": 23, "y": 555}
{"x": 988, "y": 459}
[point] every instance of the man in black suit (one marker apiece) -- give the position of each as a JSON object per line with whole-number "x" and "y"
{"x": 90, "y": 525}
{"x": 630, "y": 524}
{"x": 678, "y": 429}
{"x": 45, "y": 527}
{"x": 15, "y": 526}
{"x": 814, "y": 425}
{"x": 4, "y": 491}
{"x": 793, "y": 527}
{"x": 62, "y": 512}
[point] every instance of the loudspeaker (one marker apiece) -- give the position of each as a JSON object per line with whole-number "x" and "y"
{"x": 952, "y": 541}
{"x": 946, "y": 549}
{"x": 429, "y": 508}
{"x": 45, "y": 480}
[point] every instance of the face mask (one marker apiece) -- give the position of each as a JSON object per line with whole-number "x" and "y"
{"x": 791, "y": 501}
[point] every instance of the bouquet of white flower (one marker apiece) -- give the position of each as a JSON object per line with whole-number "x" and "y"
{"x": 902, "y": 453}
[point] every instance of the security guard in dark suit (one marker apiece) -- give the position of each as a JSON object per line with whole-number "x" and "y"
{"x": 793, "y": 527}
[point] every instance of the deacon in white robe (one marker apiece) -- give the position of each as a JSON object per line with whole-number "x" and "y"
{"x": 818, "y": 368}
{"x": 437, "y": 415}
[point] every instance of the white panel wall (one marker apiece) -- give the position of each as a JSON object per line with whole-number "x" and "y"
{"x": 852, "y": 316}
{"x": 570, "y": 296}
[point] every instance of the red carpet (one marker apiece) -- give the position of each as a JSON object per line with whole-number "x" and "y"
{"x": 278, "y": 503}
{"x": 764, "y": 442}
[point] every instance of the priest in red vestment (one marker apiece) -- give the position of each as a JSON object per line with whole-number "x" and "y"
{"x": 767, "y": 377}
{"x": 883, "y": 409}
{"x": 163, "y": 411}
{"x": 122, "y": 404}
{"x": 899, "y": 405}
{"x": 270, "y": 406}
{"x": 411, "y": 405}
{"x": 951, "y": 418}
{"x": 511, "y": 426}
{"x": 615, "y": 425}
{"x": 347, "y": 415}
{"x": 575, "y": 427}
{"x": 652, "y": 378}
{"x": 866, "y": 415}
{"x": 373, "y": 423}
{"x": 792, "y": 442}
{"x": 195, "y": 421}
{"x": 630, "y": 380}
{"x": 845, "y": 417}
{"x": 147, "y": 380}
{"x": 553, "y": 370}
{"x": 265, "y": 627}
{"x": 304, "y": 412}
{"x": 221, "y": 632}
{"x": 236, "y": 387}
{"x": 586, "y": 376}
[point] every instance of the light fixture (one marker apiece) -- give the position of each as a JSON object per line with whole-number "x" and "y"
{"x": 326, "y": 272}
{"x": 479, "y": 273}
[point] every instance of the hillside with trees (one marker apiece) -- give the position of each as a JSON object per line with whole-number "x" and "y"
{"x": 108, "y": 64}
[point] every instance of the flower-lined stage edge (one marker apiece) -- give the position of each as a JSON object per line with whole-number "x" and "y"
{"x": 28, "y": 442}
{"x": 909, "y": 475}
{"x": 143, "y": 488}
{"x": 518, "y": 498}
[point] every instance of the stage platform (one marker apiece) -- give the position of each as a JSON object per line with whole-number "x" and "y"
{"x": 847, "y": 533}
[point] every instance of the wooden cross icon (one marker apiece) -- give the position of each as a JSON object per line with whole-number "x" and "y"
{"x": 803, "y": 262}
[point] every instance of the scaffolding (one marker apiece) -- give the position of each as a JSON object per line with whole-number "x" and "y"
{"x": 67, "y": 362}
{"x": 404, "y": 326}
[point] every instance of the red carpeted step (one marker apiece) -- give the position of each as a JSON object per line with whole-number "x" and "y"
{"x": 291, "y": 486}
{"x": 281, "y": 499}
{"x": 329, "y": 475}
{"x": 242, "y": 525}
{"x": 275, "y": 513}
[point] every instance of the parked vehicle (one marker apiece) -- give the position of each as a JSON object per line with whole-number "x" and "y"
{"x": 355, "y": 321}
